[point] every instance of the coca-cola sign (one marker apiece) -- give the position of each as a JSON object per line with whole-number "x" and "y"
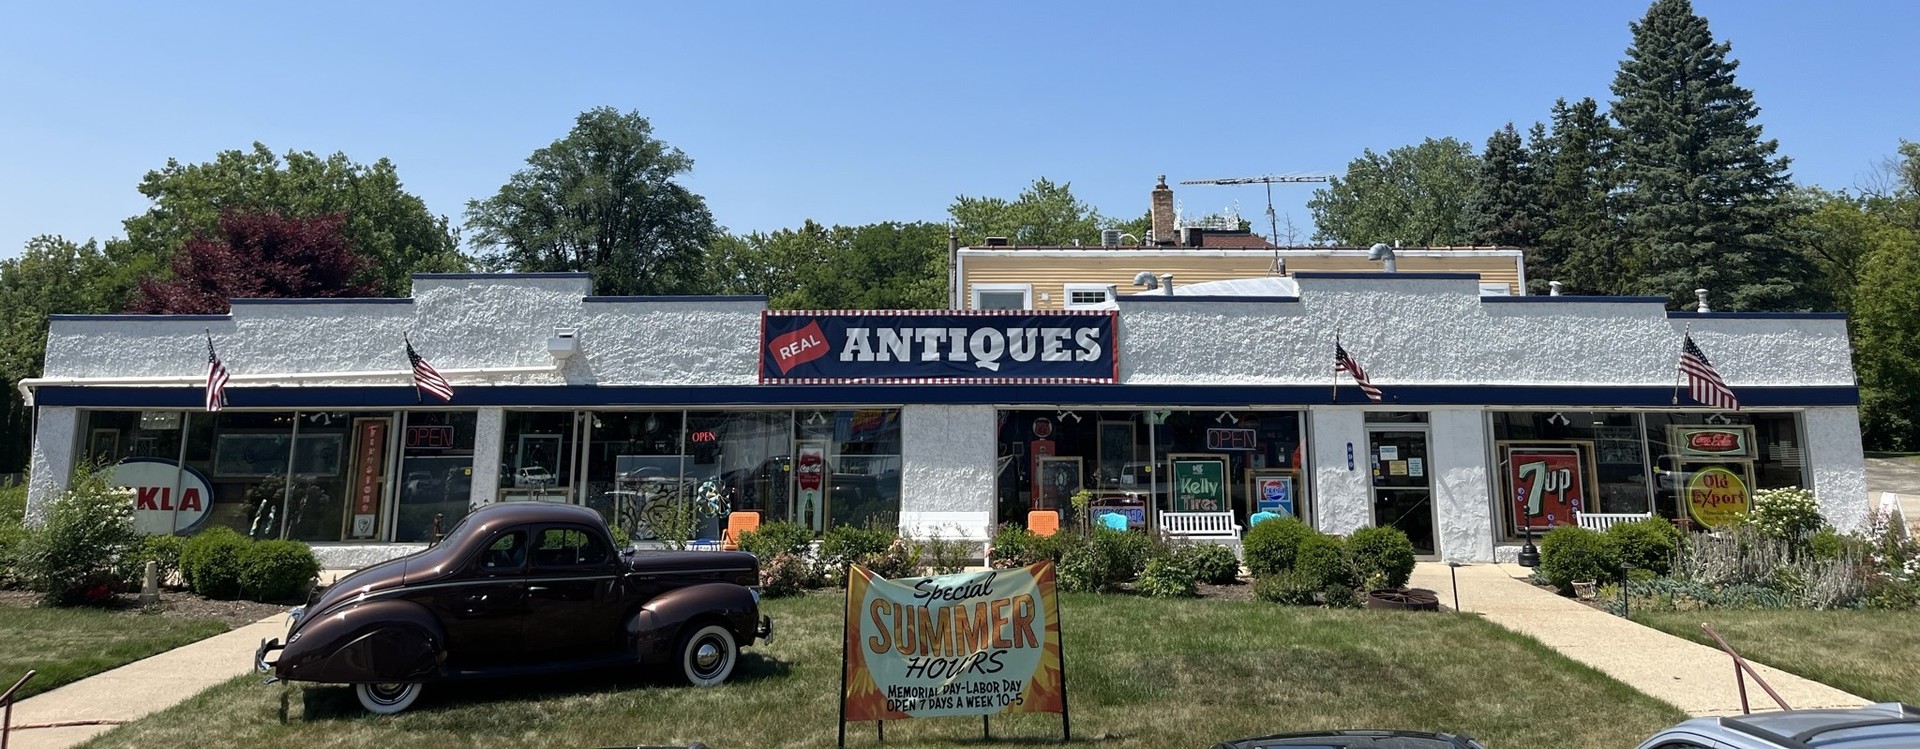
{"x": 1717, "y": 442}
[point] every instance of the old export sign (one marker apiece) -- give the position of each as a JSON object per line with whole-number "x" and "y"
{"x": 1717, "y": 497}
{"x": 1715, "y": 442}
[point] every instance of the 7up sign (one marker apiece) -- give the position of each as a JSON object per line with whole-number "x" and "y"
{"x": 1548, "y": 485}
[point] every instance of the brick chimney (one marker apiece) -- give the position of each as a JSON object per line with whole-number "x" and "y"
{"x": 1163, "y": 229}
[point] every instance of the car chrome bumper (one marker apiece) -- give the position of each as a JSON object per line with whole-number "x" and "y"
{"x": 260, "y": 662}
{"x": 765, "y": 631}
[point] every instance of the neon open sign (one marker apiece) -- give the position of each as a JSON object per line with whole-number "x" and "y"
{"x": 430, "y": 437}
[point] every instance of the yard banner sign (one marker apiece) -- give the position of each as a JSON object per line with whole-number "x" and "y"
{"x": 975, "y": 643}
{"x": 914, "y": 347}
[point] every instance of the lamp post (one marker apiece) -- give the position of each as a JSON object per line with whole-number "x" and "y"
{"x": 1625, "y": 569}
{"x": 1529, "y": 554}
{"x": 1453, "y": 570}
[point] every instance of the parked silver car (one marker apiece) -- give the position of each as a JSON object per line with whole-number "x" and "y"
{"x": 1884, "y": 726}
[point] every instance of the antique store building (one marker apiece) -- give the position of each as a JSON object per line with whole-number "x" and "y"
{"x": 1494, "y": 409}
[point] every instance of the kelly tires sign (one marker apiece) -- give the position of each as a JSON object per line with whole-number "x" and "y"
{"x": 937, "y": 347}
{"x": 985, "y": 643}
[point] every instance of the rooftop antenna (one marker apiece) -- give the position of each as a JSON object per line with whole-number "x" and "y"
{"x": 1273, "y": 222}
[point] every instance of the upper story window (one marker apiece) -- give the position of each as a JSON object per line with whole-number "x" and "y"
{"x": 1086, "y": 295}
{"x": 1002, "y": 296}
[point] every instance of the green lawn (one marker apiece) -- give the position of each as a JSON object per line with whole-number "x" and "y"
{"x": 1140, "y": 673}
{"x": 69, "y": 644}
{"x": 1869, "y": 653}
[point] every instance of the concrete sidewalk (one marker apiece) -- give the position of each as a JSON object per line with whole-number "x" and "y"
{"x": 1696, "y": 678}
{"x": 139, "y": 688}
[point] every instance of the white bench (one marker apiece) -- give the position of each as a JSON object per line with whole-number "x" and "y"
{"x": 1600, "y": 521}
{"x": 1199, "y": 524}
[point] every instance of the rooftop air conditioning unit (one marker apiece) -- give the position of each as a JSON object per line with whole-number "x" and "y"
{"x": 997, "y": 242}
{"x": 1110, "y": 237}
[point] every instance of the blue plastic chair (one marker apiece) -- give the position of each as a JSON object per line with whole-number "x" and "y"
{"x": 1261, "y": 516}
{"x": 1113, "y": 521}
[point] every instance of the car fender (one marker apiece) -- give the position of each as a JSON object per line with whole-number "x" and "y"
{"x": 652, "y": 630}
{"x": 379, "y": 641}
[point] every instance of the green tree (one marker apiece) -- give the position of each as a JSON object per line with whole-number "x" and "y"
{"x": 603, "y": 200}
{"x": 1504, "y": 208}
{"x": 876, "y": 266}
{"x": 385, "y": 224}
{"x": 1044, "y": 214}
{"x": 1414, "y": 194}
{"x": 1837, "y": 232}
{"x": 1705, "y": 198}
{"x": 51, "y": 276}
{"x": 1886, "y": 329}
{"x": 1577, "y": 169}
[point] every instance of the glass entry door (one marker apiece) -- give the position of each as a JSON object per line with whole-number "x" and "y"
{"x": 1402, "y": 489}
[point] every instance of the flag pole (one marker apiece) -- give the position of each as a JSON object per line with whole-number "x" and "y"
{"x": 1336, "y": 365}
{"x": 1684, "y": 334}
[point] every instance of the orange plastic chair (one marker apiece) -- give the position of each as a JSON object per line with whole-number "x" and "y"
{"x": 738, "y": 523}
{"x": 1043, "y": 522}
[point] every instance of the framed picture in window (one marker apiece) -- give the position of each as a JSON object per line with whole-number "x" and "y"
{"x": 104, "y": 445}
{"x": 1060, "y": 477}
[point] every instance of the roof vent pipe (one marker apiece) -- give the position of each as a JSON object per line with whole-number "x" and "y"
{"x": 1553, "y": 288}
{"x": 1380, "y": 251}
{"x": 1702, "y": 293}
{"x": 1166, "y": 283}
{"x": 1146, "y": 279}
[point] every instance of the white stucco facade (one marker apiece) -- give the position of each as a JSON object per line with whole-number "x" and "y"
{"x": 1444, "y": 356}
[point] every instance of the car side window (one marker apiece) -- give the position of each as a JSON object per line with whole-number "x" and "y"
{"x": 569, "y": 547}
{"x": 507, "y": 552}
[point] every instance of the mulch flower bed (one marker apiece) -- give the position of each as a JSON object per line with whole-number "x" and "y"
{"x": 173, "y": 603}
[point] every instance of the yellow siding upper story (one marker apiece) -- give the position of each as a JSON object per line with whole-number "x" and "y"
{"x": 1050, "y": 273}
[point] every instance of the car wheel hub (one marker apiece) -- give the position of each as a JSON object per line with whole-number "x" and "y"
{"x": 389, "y": 692}
{"x": 706, "y": 657}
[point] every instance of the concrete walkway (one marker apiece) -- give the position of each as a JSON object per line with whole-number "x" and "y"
{"x": 139, "y": 688}
{"x": 1696, "y": 678}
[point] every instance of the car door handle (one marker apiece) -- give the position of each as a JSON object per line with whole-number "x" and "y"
{"x": 537, "y": 588}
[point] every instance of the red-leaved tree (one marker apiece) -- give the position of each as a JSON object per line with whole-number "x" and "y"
{"x": 256, "y": 255}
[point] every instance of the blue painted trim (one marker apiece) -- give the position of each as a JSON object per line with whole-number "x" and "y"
{"x": 710, "y": 298}
{"x": 1203, "y": 298}
{"x": 1660, "y": 300}
{"x": 1206, "y": 396}
{"x": 334, "y": 300}
{"x": 1348, "y": 275}
{"x": 477, "y": 276}
{"x": 1759, "y": 315}
{"x": 131, "y": 317}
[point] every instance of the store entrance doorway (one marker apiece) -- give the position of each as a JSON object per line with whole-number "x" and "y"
{"x": 1402, "y": 489}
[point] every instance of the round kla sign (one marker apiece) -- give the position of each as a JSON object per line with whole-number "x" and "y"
{"x": 166, "y": 497}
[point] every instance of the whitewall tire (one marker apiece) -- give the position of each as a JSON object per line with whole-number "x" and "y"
{"x": 707, "y": 655}
{"x": 387, "y": 699}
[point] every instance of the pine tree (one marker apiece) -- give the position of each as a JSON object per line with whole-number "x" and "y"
{"x": 1703, "y": 196}
{"x": 1578, "y": 170}
{"x": 1502, "y": 209}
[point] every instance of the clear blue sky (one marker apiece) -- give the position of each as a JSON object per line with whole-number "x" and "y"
{"x": 852, "y": 113}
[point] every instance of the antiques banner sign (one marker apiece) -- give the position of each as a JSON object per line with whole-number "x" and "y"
{"x": 985, "y": 643}
{"x": 802, "y": 347}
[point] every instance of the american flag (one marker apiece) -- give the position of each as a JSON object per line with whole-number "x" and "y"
{"x": 1702, "y": 382}
{"x": 217, "y": 378}
{"x": 425, "y": 377}
{"x": 1343, "y": 362}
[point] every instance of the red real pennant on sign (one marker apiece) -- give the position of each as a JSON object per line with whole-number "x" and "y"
{"x": 799, "y": 347}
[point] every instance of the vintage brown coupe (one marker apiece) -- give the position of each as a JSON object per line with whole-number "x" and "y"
{"x": 520, "y": 588}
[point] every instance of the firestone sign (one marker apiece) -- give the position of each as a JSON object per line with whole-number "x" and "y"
{"x": 938, "y": 347}
{"x": 166, "y": 499}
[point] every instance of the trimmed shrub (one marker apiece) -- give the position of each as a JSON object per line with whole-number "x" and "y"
{"x": 778, "y": 537}
{"x": 1790, "y": 514}
{"x": 1324, "y": 562}
{"x": 900, "y": 559}
{"x": 78, "y": 554}
{"x": 785, "y": 574}
{"x": 1570, "y": 554}
{"x": 1103, "y": 560}
{"x": 276, "y": 570}
{"x": 1382, "y": 556}
{"x": 1271, "y": 546}
{"x": 1647, "y": 544}
{"x": 163, "y": 551}
{"x": 1828, "y": 543}
{"x": 1211, "y": 563}
{"x": 210, "y": 562}
{"x": 1289, "y": 587}
{"x": 845, "y": 545}
{"x": 1015, "y": 546}
{"x": 1167, "y": 577}
{"x": 940, "y": 555}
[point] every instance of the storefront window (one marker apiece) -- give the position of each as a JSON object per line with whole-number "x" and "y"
{"x": 436, "y": 469}
{"x": 1555, "y": 463}
{"x": 1706, "y": 466}
{"x": 633, "y": 460}
{"x": 1140, "y": 463}
{"x": 861, "y": 466}
{"x": 536, "y": 456}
